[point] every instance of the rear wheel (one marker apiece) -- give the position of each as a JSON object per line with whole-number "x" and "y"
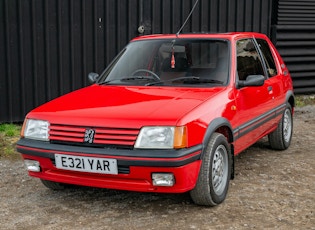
{"x": 53, "y": 185}
{"x": 280, "y": 139}
{"x": 215, "y": 172}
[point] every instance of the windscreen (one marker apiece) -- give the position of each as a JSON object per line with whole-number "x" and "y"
{"x": 170, "y": 62}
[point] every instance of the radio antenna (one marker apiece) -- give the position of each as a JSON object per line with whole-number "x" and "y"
{"x": 192, "y": 10}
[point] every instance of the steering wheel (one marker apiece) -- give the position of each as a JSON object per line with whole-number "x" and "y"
{"x": 154, "y": 75}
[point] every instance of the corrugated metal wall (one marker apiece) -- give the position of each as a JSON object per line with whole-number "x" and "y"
{"x": 167, "y": 16}
{"x": 47, "y": 48}
{"x": 295, "y": 40}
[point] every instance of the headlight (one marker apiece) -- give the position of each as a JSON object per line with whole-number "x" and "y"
{"x": 162, "y": 137}
{"x": 36, "y": 129}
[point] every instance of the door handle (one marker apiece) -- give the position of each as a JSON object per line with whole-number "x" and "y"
{"x": 269, "y": 88}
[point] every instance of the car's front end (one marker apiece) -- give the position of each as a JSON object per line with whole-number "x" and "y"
{"x": 150, "y": 143}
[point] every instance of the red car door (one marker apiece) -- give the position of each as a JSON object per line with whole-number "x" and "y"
{"x": 254, "y": 104}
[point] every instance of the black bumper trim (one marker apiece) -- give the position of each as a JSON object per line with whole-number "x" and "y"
{"x": 134, "y": 157}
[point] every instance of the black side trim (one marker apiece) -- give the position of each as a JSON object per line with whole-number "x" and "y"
{"x": 256, "y": 122}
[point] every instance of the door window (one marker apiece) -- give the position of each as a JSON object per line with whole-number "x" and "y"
{"x": 267, "y": 55}
{"x": 248, "y": 59}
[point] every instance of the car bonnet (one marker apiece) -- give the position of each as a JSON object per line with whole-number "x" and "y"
{"x": 123, "y": 106}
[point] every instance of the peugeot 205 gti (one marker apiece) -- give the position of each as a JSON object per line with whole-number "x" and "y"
{"x": 168, "y": 115}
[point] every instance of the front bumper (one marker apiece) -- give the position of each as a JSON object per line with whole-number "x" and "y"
{"x": 135, "y": 167}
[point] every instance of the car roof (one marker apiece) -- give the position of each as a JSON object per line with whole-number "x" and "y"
{"x": 227, "y": 36}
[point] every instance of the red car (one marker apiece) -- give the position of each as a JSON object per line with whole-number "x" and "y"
{"x": 168, "y": 115}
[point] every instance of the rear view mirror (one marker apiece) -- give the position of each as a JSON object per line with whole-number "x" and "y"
{"x": 93, "y": 77}
{"x": 252, "y": 80}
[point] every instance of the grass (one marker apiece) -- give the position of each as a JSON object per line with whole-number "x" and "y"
{"x": 9, "y": 135}
{"x": 10, "y": 130}
{"x": 304, "y": 100}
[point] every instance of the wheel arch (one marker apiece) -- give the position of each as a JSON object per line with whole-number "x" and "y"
{"x": 223, "y": 126}
{"x": 290, "y": 98}
{"x": 220, "y": 125}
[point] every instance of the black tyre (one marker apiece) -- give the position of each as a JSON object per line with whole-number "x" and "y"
{"x": 53, "y": 185}
{"x": 280, "y": 139}
{"x": 215, "y": 172}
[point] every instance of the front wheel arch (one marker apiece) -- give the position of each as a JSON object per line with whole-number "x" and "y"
{"x": 220, "y": 125}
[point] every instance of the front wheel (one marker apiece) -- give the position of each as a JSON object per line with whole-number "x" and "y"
{"x": 215, "y": 172}
{"x": 280, "y": 139}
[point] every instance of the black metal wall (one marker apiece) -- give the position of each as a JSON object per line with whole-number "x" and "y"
{"x": 295, "y": 40}
{"x": 47, "y": 47}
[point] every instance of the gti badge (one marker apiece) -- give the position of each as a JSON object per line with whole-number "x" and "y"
{"x": 89, "y": 135}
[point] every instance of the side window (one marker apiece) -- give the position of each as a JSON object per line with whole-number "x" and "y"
{"x": 248, "y": 59}
{"x": 267, "y": 55}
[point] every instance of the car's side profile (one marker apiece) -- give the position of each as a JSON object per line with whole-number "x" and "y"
{"x": 167, "y": 115}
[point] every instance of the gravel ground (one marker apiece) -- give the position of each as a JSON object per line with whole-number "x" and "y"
{"x": 271, "y": 190}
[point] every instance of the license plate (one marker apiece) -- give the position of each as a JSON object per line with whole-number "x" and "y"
{"x": 86, "y": 164}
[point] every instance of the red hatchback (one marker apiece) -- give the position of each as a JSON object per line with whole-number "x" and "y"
{"x": 167, "y": 115}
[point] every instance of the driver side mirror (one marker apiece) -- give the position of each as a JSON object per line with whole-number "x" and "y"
{"x": 251, "y": 80}
{"x": 93, "y": 77}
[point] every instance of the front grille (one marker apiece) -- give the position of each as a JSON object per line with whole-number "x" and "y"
{"x": 103, "y": 136}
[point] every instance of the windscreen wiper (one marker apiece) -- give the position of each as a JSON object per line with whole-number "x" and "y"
{"x": 172, "y": 80}
{"x": 203, "y": 80}
{"x": 188, "y": 80}
{"x": 127, "y": 79}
